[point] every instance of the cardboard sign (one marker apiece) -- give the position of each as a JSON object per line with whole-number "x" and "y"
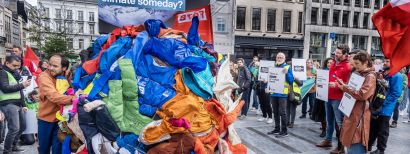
{"x": 264, "y": 66}
{"x": 277, "y": 79}
{"x": 299, "y": 68}
{"x": 322, "y": 85}
{"x": 182, "y": 21}
{"x": 346, "y": 105}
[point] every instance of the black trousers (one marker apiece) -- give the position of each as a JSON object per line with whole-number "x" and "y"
{"x": 279, "y": 112}
{"x": 396, "y": 113}
{"x": 379, "y": 129}
{"x": 265, "y": 104}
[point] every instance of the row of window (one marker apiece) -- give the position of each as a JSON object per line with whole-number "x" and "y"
{"x": 271, "y": 19}
{"x": 357, "y": 3}
{"x": 70, "y": 27}
{"x": 70, "y": 43}
{"x": 319, "y": 40}
{"x": 336, "y": 16}
{"x": 69, "y": 14}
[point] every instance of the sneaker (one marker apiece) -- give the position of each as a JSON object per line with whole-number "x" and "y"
{"x": 242, "y": 117}
{"x": 282, "y": 134}
{"x": 261, "y": 119}
{"x": 393, "y": 125}
{"x": 302, "y": 116}
{"x": 17, "y": 149}
{"x": 406, "y": 121}
{"x": 274, "y": 132}
{"x": 290, "y": 125}
{"x": 377, "y": 152}
{"x": 269, "y": 121}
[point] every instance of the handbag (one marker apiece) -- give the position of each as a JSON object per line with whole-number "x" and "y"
{"x": 294, "y": 97}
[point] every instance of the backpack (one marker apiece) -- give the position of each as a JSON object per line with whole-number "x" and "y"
{"x": 379, "y": 96}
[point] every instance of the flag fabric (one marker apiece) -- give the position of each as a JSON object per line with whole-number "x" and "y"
{"x": 31, "y": 61}
{"x": 182, "y": 21}
{"x": 393, "y": 24}
{"x": 306, "y": 87}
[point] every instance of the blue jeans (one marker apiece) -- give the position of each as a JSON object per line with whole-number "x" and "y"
{"x": 16, "y": 124}
{"x": 357, "y": 148}
{"x": 408, "y": 106}
{"x": 255, "y": 99}
{"x": 311, "y": 97}
{"x": 246, "y": 97}
{"x": 47, "y": 137}
{"x": 332, "y": 114}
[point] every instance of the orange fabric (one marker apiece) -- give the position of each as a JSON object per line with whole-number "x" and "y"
{"x": 170, "y": 31}
{"x": 219, "y": 114}
{"x": 49, "y": 98}
{"x": 207, "y": 144}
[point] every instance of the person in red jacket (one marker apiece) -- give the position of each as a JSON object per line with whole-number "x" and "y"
{"x": 340, "y": 69}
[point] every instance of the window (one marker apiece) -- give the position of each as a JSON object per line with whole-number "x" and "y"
{"x": 240, "y": 18}
{"x": 313, "y": 16}
{"x": 220, "y": 22}
{"x": 356, "y": 19}
{"x": 325, "y": 1}
{"x": 271, "y": 22}
{"x": 58, "y": 26}
{"x": 301, "y": 1}
{"x": 346, "y": 2}
{"x": 69, "y": 27}
{"x": 325, "y": 17}
{"x": 376, "y": 45}
{"x": 92, "y": 30}
{"x": 58, "y": 13}
{"x": 80, "y": 43}
{"x": 317, "y": 1}
{"x": 385, "y": 2}
{"x": 357, "y": 3}
{"x": 318, "y": 39}
{"x": 359, "y": 42}
{"x": 80, "y": 28}
{"x": 366, "y": 20}
{"x": 345, "y": 19}
{"x": 376, "y": 4}
{"x": 339, "y": 39}
{"x": 337, "y": 2}
{"x": 336, "y": 17}
{"x": 69, "y": 14}
{"x": 80, "y": 15}
{"x": 70, "y": 43}
{"x": 300, "y": 22}
{"x": 46, "y": 13}
{"x": 256, "y": 19}
{"x": 287, "y": 20}
{"x": 366, "y": 4}
{"x": 91, "y": 16}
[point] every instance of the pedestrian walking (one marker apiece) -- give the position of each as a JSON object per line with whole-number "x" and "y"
{"x": 355, "y": 127}
{"x": 311, "y": 95}
{"x": 402, "y": 100}
{"x": 244, "y": 83}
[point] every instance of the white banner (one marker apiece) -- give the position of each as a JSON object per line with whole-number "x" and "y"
{"x": 322, "y": 84}
{"x": 31, "y": 87}
{"x": 347, "y": 103}
{"x": 264, "y": 69}
{"x": 277, "y": 79}
{"x": 299, "y": 68}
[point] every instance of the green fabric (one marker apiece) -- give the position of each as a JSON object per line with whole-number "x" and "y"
{"x": 254, "y": 71}
{"x": 10, "y": 96}
{"x": 122, "y": 100}
{"x": 405, "y": 81}
{"x": 307, "y": 85}
{"x": 32, "y": 105}
{"x": 199, "y": 52}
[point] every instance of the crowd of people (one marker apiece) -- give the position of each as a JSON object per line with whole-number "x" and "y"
{"x": 377, "y": 107}
{"x": 378, "y": 101}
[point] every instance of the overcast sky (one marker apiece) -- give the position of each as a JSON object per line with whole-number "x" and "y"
{"x": 32, "y": 2}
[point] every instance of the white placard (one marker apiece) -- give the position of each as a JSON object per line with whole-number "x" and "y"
{"x": 346, "y": 105}
{"x": 377, "y": 68}
{"x": 31, "y": 87}
{"x": 322, "y": 84}
{"x": 264, "y": 69}
{"x": 276, "y": 82}
{"x": 31, "y": 122}
{"x": 299, "y": 68}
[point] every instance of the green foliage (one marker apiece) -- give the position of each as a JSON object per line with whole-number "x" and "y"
{"x": 55, "y": 44}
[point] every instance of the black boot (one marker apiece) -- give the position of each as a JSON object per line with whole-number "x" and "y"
{"x": 323, "y": 134}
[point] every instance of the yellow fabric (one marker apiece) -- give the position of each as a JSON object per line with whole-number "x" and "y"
{"x": 286, "y": 89}
{"x": 62, "y": 85}
{"x": 87, "y": 89}
{"x": 60, "y": 117}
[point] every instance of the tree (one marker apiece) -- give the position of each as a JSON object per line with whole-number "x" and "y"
{"x": 55, "y": 44}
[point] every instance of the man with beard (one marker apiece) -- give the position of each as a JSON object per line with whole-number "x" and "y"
{"x": 340, "y": 69}
{"x": 11, "y": 102}
{"x": 49, "y": 103}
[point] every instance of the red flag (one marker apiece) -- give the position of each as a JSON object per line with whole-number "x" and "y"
{"x": 182, "y": 21}
{"x": 393, "y": 24}
{"x": 31, "y": 61}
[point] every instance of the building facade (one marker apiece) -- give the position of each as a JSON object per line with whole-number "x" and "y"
{"x": 265, "y": 27}
{"x": 333, "y": 22}
{"x": 78, "y": 19}
{"x": 223, "y": 25}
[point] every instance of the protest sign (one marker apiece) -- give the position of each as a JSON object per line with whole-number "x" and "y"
{"x": 182, "y": 21}
{"x": 299, "y": 68}
{"x": 322, "y": 84}
{"x": 346, "y": 105}
{"x": 276, "y": 82}
{"x": 264, "y": 69}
